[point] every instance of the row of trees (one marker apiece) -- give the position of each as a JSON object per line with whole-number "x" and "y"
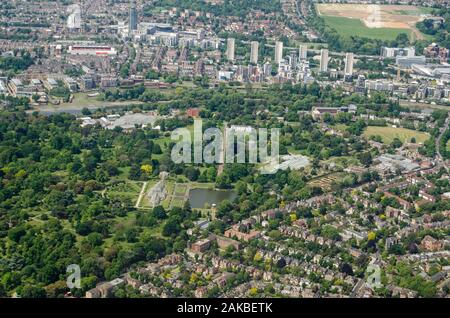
{"x": 226, "y": 8}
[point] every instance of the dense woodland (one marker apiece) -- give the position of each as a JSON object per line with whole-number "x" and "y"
{"x": 440, "y": 32}
{"x": 16, "y": 63}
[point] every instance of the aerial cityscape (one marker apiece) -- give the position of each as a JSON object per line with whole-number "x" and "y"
{"x": 224, "y": 149}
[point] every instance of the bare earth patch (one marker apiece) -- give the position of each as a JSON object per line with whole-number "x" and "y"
{"x": 378, "y": 16}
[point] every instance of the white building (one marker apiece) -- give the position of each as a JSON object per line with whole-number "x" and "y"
{"x": 431, "y": 70}
{"x": 348, "y": 64}
{"x": 379, "y": 85}
{"x": 3, "y": 88}
{"x": 391, "y": 52}
{"x": 91, "y": 50}
{"x": 74, "y": 19}
{"x": 230, "y": 49}
{"x": 224, "y": 75}
{"x": 254, "y": 52}
{"x": 267, "y": 69}
{"x": 278, "y": 51}
{"x": 324, "y": 60}
{"x": 303, "y": 52}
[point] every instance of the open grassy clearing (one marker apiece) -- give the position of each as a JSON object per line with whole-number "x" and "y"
{"x": 388, "y": 134}
{"x": 163, "y": 141}
{"x": 82, "y": 100}
{"x": 154, "y": 231}
{"x": 348, "y": 27}
{"x": 177, "y": 203}
{"x": 421, "y": 106}
{"x": 340, "y": 127}
{"x": 127, "y": 190}
{"x": 343, "y": 162}
{"x": 180, "y": 189}
{"x": 415, "y": 11}
{"x": 294, "y": 151}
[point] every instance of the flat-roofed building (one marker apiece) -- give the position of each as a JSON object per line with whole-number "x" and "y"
{"x": 391, "y": 52}
{"x": 15, "y": 85}
{"x": 36, "y": 82}
{"x": 318, "y": 112}
{"x": 3, "y": 88}
{"x": 349, "y": 58}
{"x": 303, "y": 52}
{"x": 408, "y": 61}
{"x": 71, "y": 84}
{"x": 278, "y": 51}
{"x": 201, "y": 245}
{"x": 431, "y": 70}
{"x": 50, "y": 84}
{"x": 230, "y": 49}
{"x": 105, "y": 290}
{"x": 324, "y": 60}
{"x": 108, "y": 81}
{"x": 92, "y": 50}
{"x": 379, "y": 85}
{"x": 225, "y": 242}
{"x": 254, "y": 52}
{"x": 86, "y": 83}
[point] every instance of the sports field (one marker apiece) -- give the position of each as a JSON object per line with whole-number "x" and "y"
{"x": 388, "y": 134}
{"x": 384, "y": 22}
{"x": 347, "y": 27}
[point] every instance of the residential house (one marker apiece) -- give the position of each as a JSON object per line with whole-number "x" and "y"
{"x": 430, "y": 244}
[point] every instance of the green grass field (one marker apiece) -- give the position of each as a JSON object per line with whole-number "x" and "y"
{"x": 126, "y": 190}
{"x": 448, "y": 146}
{"x": 81, "y": 100}
{"x": 180, "y": 189}
{"x": 389, "y": 133}
{"x": 347, "y": 27}
{"x": 419, "y": 10}
{"x": 343, "y": 162}
{"x": 340, "y": 127}
{"x": 177, "y": 203}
